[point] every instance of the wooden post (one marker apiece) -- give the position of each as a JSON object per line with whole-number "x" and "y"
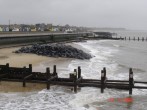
{"x": 102, "y": 81}
{"x": 75, "y": 83}
{"x": 75, "y": 80}
{"x": 104, "y": 70}
{"x": 54, "y": 70}
{"x": 142, "y": 38}
{"x": 7, "y": 69}
{"x": 125, "y": 38}
{"x": 131, "y": 81}
{"x": 134, "y": 39}
{"x": 30, "y": 68}
{"x": 7, "y": 64}
{"x": 79, "y": 72}
{"x": 24, "y": 81}
{"x": 75, "y": 70}
{"x": 48, "y": 75}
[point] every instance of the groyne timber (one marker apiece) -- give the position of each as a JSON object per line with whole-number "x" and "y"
{"x": 75, "y": 79}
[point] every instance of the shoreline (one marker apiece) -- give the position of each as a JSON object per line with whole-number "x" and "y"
{"x": 39, "y": 64}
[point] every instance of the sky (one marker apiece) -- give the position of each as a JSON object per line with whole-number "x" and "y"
{"x": 130, "y": 14}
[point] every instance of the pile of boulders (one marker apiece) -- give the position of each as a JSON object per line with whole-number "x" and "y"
{"x": 55, "y": 50}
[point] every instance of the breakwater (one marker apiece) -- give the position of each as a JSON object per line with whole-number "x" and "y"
{"x": 132, "y": 38}
{"x": 75, "y": 79}
{"x": 55, "y": 50}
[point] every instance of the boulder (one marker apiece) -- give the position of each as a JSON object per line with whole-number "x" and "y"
{"x": 55, "y": 50}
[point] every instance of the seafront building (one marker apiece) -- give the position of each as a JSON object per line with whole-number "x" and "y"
{"x": 40, "y": 27}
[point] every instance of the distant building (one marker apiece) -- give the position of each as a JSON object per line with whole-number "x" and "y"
{"x": 33, "y": 29}
{"x": 15, "y": 29}
{"x": 25, "y": 28}
{"x": 55, "y": 29}
{"x": 5, "y": 28}
{"x": 1, "y": 29}
{"x": 40, "y": 27}
{"x": 69, "y": 31}
{"x": 49, "y": 27}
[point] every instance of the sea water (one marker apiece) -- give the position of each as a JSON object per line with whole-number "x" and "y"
{"x": 116, "y": 56}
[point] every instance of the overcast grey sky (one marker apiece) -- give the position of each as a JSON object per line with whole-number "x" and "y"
{"x": 131, "y": 14}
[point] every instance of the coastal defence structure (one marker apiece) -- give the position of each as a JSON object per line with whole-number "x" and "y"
{"x": 132, "y": 38}
{"x": 136, "y": 38}
{"x": 22, "y": 39}
{"x": 75, "y": 79}
{"x": 7, "y": 40}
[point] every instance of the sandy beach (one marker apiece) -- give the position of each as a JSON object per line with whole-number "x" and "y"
{"x": 39, "y": 63}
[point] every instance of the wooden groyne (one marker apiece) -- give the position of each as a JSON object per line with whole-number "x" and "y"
{"x": 133, "y": 38}
{"x": 75, "y": 79}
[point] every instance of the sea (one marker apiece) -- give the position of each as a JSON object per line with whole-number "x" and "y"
{"x": 117, "y": 56}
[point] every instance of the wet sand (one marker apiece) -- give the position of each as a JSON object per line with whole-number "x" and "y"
{"x": 7, "y": 87}
{"x": 20, "y": 60}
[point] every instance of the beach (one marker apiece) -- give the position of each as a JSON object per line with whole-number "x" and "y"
{"x": 116, "y": 56}
{"x": 39, "y": 64}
